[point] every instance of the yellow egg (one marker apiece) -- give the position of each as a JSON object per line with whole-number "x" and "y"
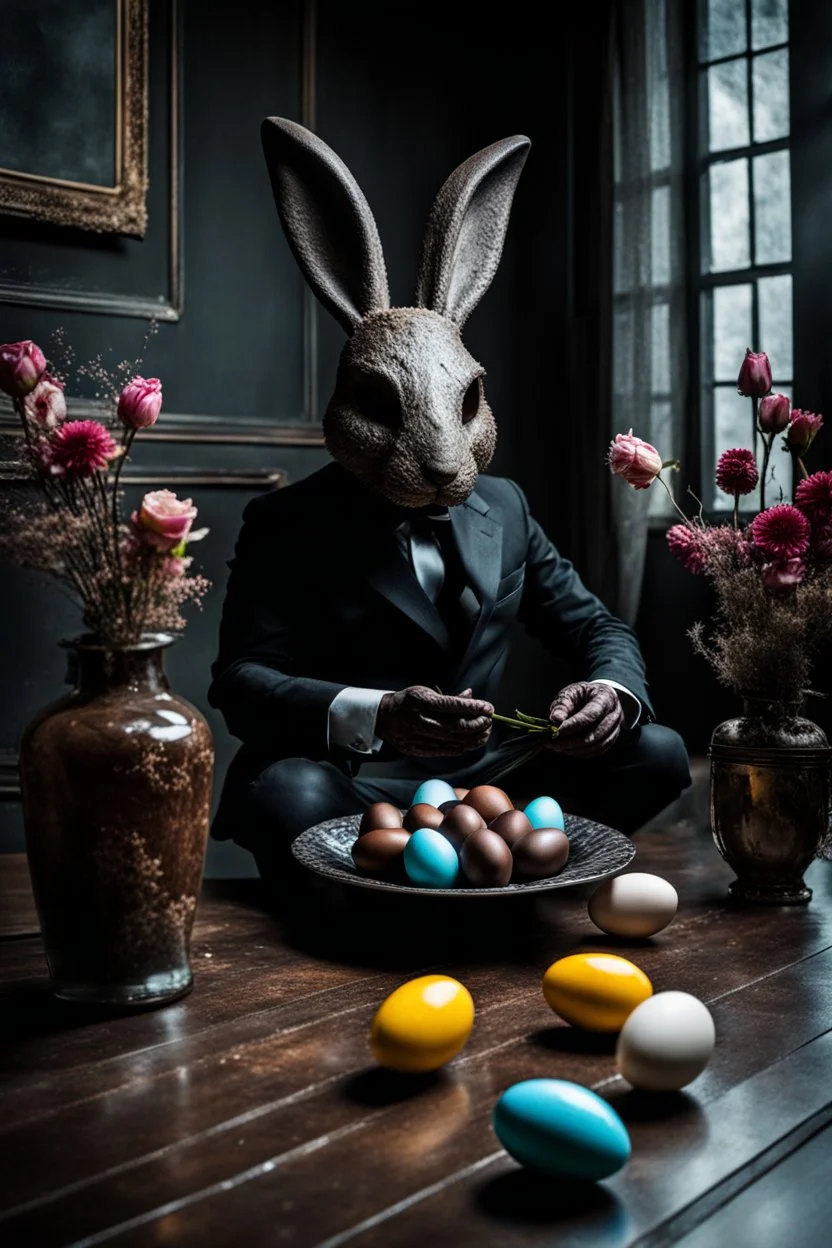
{"x": 597, "y": 991}
{"x": 423, "y": 1024}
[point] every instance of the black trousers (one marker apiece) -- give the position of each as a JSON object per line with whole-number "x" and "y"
{"x": 267, "y": 804}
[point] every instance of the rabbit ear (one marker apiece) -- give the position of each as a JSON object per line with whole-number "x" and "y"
{"x": 327, "y": 220}
{"x": 467, "y": 228}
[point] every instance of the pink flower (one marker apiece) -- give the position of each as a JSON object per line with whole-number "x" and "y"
{"x": 163, "y": 519}
{"x": 22, "y": 364}
{"x": 79, "y": 448}
{"x": 686, "y": 545}
{"x": 46, "y": 405}
{"x": 736, "y": 472}
{"x": 781, "y": 532}
{"x": 803, "y": 430}
{"x": 636, "y": 461}
{"x": 755, "y": 375}
{"x": 814, "y": 496}
{"x": 783, "y": 576}
{"x": 774, "y": 413}
{"x": 140, "y": 402}
{"x": 175, "y": 566}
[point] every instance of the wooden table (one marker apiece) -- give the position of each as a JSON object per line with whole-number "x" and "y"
{"x": 251, "y": 1113}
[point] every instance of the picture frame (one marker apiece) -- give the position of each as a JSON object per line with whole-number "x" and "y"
{"x": 78, "y": 157}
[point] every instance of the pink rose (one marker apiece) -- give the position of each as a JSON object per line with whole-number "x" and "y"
{"x": 140, "y": 402}
{"x": 803, "y": 430}
{"x": 636, "y": 461}
{"x": 783, "y": 576}
{"x": 22, "y": 364}
{"x": 163, "y": 519}
{"x": 775, "y": 410}
{"x": 754, "y": 380}
{"x": 46, "y": 405}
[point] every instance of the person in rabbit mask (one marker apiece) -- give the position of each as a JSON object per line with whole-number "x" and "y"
{"x": 398, "y": 570}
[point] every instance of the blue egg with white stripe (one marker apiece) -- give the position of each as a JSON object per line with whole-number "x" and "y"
{"x": 430, "y": 860}
{"x": 434, "y": 792}
{"x": 544, "y": 812}
{"x": 561, "y": 1128}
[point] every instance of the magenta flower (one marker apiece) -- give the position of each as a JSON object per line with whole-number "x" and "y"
{"x": 46, "y": 405}
{"x": 140, "y": 402}
{"x": 803, "y": 430}
{"x": 754, "y": 380}
{"x": 736, "y": 472}
{"x": 636, "y": 461}
{"x": 164, "y": 521}
{"x": 79, "y": 448}
{"x": 781, "y": 532}
{"x": 22, "y": 364}
{"x": 686, "y": 545}
{"x": 783, "y": 576}
{"x": 814, "y": 496}
{"x": 774, "y": 413}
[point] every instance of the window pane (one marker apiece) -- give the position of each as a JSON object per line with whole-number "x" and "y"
{"x": 728, "y": 105}
{"x": 723, "y": 28}
{"x": 771, "y": 95}
{"x": 661, "y": 435}
{"x": 660, "y": 349}
{"x": 732, "y": 330}
{"x": 660, "y": 237}
{"x": 769, "y": 22}
{"x": 733, "y": 426}
{"x": 729, "y": 215}
{"x": 772, "y": 208}
{"x": 774, "y": 297}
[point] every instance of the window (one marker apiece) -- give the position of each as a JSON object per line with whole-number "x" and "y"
{"x": 745, "y": 214}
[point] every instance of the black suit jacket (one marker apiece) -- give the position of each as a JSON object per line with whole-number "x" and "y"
{"x": 321, "y": 597}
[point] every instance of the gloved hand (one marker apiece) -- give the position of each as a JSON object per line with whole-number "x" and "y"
{"x": 425, "y": 724}
{"x": 589, "y": 717}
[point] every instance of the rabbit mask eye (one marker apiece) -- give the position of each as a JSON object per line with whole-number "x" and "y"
{"x": 471, "y": 400}
{"x": 375, "y": 397}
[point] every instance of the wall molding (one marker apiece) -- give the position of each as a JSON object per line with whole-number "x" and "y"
{"x": 166, "y": 307}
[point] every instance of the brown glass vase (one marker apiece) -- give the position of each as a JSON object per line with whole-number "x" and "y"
{"x": 116, "y": 780}
{"x": 770, "y": 772}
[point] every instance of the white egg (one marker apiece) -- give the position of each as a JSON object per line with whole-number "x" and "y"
{"x": 666, "y": 1042}
{"x": 636, "y": 904}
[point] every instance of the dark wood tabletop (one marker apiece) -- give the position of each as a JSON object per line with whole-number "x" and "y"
{"x": 252, "y": 1113}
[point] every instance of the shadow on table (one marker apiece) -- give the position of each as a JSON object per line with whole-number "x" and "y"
{"x": 573, "y": 1040}
{"x": 523, "y": 1196}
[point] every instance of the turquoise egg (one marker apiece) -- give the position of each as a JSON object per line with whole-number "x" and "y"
{"x": 430, "y": 860}
{"x": 434, "y": 792}
{"x": 561, "y": 1128}
{"x": 544, "y": 812}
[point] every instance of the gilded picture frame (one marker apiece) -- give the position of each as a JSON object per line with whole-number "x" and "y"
{"x": 117, "y": 208}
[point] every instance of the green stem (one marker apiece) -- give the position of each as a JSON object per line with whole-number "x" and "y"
{"x": 673, "y": 501}
{"x": 767, "y": 441}
{"x": 798, "y": 459}
{"x": 736, "y": 510}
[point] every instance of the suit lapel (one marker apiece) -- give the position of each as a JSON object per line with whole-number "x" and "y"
{"x": 391, "y": 575}
{"x": 479, "y": 540}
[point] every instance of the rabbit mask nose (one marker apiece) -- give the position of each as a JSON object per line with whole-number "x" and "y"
{"x": 439, "y": 478}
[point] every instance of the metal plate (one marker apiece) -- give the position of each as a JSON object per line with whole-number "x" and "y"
{"x": 596, "y": 852}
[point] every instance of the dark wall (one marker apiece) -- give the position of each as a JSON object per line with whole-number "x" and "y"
{"x": 403, "y": 93}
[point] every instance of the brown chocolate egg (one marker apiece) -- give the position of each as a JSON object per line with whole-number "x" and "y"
{"x": 460, "y": 823}
{"x": 540, "y": 853}
{"x": 380, "y": 851}
{"x": 462, "y": 793}
{"x": 485, "y": 859}
{"x": 488, "y": 801}
{"x": 380, "y": 815}
{"x": 511, "y": 825}
{"x": 422, "y": 816}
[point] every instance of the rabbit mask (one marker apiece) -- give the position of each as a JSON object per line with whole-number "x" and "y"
{"x": 408, "y": 417}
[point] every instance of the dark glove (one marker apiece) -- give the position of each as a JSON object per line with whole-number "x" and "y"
{"x": 426, "y": 724}
{"x": 589, "y": 718}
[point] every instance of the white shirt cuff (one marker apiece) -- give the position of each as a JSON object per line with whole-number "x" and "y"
{"x": 352, "y": 720}
{"x": 630, "y": 704}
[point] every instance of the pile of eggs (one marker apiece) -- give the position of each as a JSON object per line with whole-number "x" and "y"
{"x": 451, "y": 837}
{"x": 665, "y": 1039}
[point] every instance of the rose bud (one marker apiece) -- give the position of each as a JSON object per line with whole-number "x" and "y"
{"x": 754, "y": 380}
{"x": 803, "y": 430}
{"x": 774, "y": 413}
{"x": 164, "y": 521}
{"x": 140, "y": 402}
{"x": 636, "y": 461}
{"x": 46, "y": 405}
{"x": 22, "y": 364}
